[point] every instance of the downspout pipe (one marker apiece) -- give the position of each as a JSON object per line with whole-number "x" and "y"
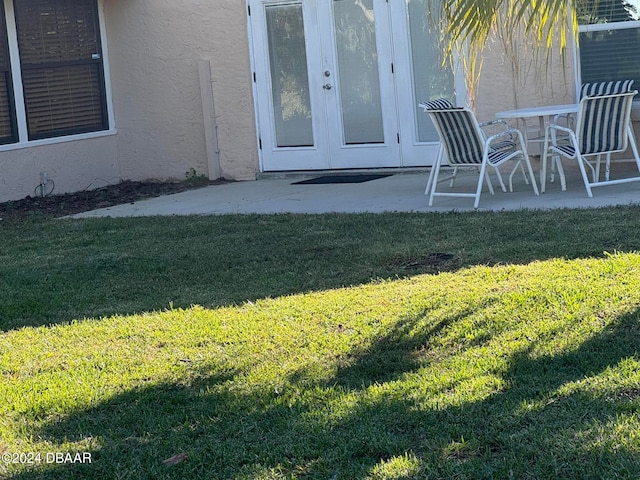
{"x": 210, "y": 126}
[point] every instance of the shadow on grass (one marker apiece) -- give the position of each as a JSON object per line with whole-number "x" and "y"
{"x": 531, "y": 429}
{"x": 61, "y": 271}
{"x": 396, "y": 353}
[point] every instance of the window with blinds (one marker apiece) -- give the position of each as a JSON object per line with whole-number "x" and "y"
{"x": 8, "y": 129}
{"x": 62, "y": 69}
{"x": 609, "y": 40}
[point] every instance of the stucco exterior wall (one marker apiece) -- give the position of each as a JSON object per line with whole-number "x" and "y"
{"x": 505, "y": 86}
{"x": 155, "y": 47}
{"x": 153, "y": 51}
{"x": 72, "y": 165}
{"x": 512, "y": 77}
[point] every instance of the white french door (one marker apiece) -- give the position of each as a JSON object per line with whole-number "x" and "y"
{"x": 335, "y": 83}
{"x": 420, "y": 76}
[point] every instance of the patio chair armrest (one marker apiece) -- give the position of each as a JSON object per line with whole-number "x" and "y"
{"x": 560, "y": 128}
{"x": 551, "y": 134}
{"x": 566, "y": 116}
{"x": 494, "y": 122}
{"x": 511, "y": 132}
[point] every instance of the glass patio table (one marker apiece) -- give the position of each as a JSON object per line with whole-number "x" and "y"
{"x": 543, "y": 113}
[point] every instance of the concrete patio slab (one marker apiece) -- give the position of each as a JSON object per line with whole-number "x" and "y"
{"x": 401, "y": 192}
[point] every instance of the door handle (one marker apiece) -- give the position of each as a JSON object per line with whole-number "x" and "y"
{"x": 327, "y": 86}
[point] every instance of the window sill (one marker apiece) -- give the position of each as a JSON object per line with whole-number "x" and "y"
{"x": 51, "y": 141}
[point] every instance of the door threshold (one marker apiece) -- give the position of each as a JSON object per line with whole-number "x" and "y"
{"x": 286, "y": 174}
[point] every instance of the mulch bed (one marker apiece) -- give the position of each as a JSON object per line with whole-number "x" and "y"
{"x": 71, "y": 203}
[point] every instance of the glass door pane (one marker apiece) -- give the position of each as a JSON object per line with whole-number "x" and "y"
{"x": 289, "y": 77}
{"x": 359, "y": 81}
{"x": 431, "y": 80}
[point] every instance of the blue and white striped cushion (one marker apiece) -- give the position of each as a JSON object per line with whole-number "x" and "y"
{"x": 503, "y": 145}
{"x": 460, "y": 136}
{"x": 567, "y": 150}
{"x": 603, "y": 126}
{"x": 497, "y": 155}
{"x": 605, "y": 88}
{"x": 439, "y": 104}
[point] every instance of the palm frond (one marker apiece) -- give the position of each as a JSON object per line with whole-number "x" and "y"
{"x": 467, "y": 25}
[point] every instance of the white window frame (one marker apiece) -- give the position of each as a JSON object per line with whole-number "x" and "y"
{"x": 18, "y": 92}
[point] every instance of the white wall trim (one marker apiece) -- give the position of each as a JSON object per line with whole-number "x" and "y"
{"x": 254, "y": 88}
{"x": 50, "y": 141}
{"x": 16, "y": 72}
{"x": 105, "y": 66}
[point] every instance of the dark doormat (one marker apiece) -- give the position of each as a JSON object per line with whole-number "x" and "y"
{"x": 353, "y": 178}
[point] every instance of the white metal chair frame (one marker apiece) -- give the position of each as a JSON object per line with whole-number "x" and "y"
{"x": 473, "y": 148}
{"x": 502, "y": 145}
{"x": 603, "y": 127}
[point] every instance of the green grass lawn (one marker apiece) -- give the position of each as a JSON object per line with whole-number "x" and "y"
{"x": 396, "y": 346}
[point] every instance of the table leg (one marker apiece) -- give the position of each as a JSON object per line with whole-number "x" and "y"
{"x": 543, "y": 169}
{"x": 543, "y": 156}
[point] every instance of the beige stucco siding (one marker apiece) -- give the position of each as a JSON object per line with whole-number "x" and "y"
{"x": 73, "y": 166}
{"x": 155, "y": 47}
{"x": 505, "y": 86}
{"x": 512, "y": 78}
{"x": 153, "y": 51}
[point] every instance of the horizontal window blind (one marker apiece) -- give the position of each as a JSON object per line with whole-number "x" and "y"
{"x": 61, "y": 60}
{"x": 63, "y": 99}
{"x": 610, "y": 55}
{"x": 609, "y": 39}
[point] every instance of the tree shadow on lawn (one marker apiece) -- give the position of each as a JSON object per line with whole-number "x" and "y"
{"x": 398, "y": 352}
{"x": 128, "y": 266}
{"x": 352, "y": 424}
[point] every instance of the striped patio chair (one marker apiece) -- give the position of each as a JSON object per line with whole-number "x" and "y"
{"x": 603, "y": 127}
{"x": 593, "y": 89}
{"x": 464, "y": 144}
{"x": 590, "y": 89}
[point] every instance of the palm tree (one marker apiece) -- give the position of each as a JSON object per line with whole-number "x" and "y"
{"x": 467, "y": 24}
{"x": 472, "y": 20}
